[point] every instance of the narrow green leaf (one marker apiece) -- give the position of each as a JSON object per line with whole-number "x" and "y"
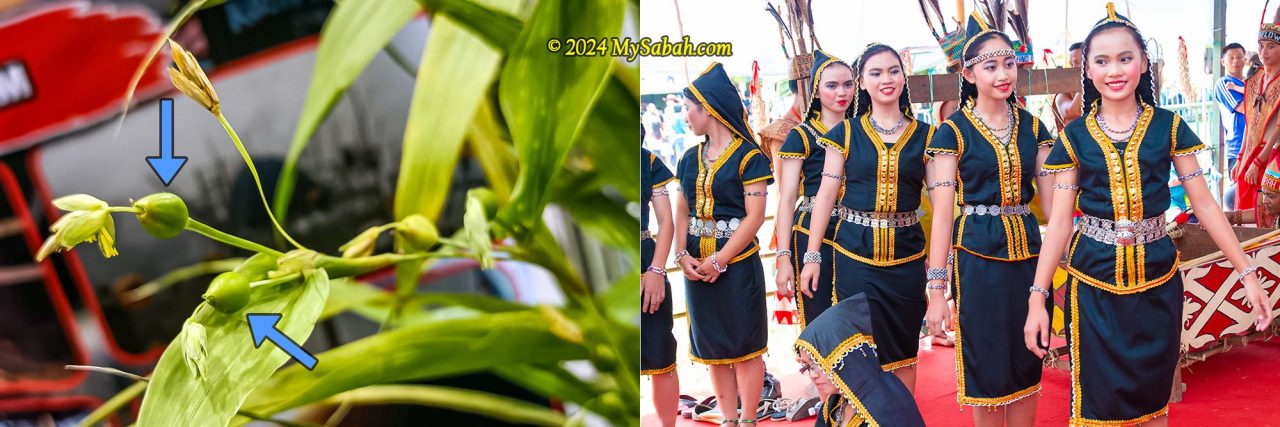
{"x": 603, "y": 217}
{"x": 178, "y": 19}
{"x": 417, "y": 352}
{"x": 489, "y": 405}
{"x": 454, "y": 77}
{"x": 622, "y": 299}
{"x": 493, "y": 23}
{"x": 352, "y": 35}
{"x": 345, "y": 295}
{"x": 609, "y": 139}
{"x": 496, "y": 155}
{"x": 548, "y": 381}
{"x": 232, "y": 366}
{"x": 545, "y": 97}
{"x": 113, "y": 404}
{"x": 182, "y": 274}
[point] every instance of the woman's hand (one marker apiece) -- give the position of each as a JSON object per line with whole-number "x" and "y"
{"x": 652, "y": 290}
{"x": 785, "y": 278}
{"x": 1253, "y": 174}
{"x": 1036, "y": 332}
{"x": 690, "y": 266}
{"x": 938, "y": 317}
{"x": 708, "y": 269}
{"x": 1259, "y": 300}
{"x": 809, "y": 278}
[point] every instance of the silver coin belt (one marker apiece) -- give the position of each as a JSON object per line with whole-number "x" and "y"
{"x": 1123, "y": 232}
{"x": 996, "y": 210}
{"x": 646, "y": 235}
{"x": 880, "y": 219}
{"x": 708, "y": 228}
{"x": 806, "y": 205}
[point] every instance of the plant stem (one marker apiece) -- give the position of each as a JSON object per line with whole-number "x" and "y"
{"x": 254, "y": 171}
{"x": 220, "y": 236}
{"x": 114, "y": 404}
{"x": 256, "y": 417}
{"x": 276, "y": 281}
{"x": 111, "y": 371}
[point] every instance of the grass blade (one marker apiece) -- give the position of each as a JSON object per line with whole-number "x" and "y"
{"x": 493, "y": 406}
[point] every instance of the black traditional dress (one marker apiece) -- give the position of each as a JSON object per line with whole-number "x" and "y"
{"x": 1124, "y": 294}
{"x": 802, "y": 143}
{"x": 657, "y": 343}
{"x": 997, "y": 242}
{"x": 878, "y": 238}
{"x": 728, "y": 318}
{"x": 840, "y": 342}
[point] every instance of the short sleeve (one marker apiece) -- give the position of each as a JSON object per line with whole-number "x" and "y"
{"x": 796, "y": 145}
{"x": 945, "y": 140}
{"x": 1062, "y": 157}
{"x": 1184, "y": 141}
{"x": 1043, "y": 137}
{"x": 755, "y": 168}
{"x": 659, "y": 174}
{"x": 837, "y": 138}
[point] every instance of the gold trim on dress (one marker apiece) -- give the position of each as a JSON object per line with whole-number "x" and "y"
{"x": 659, "y": 371}
{"x": 741, "y": 359}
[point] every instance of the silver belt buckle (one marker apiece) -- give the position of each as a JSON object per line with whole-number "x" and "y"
{"x": 1124, "y": 233}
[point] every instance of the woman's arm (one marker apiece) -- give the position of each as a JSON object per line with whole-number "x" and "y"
{"x": 823, "y": 203}
{"x": 1215, "y": 222}
{"x": 941, "y": 176}
{"x": 788, "y": 186}
{"x": 1036, "y": 331}
{"x": 687, "y": 263}
{"x": 1044, "y": 183}
{"x": 746, "y": 232}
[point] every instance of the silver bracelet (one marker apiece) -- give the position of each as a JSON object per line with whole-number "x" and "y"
{"x": 662, "y": 192}
{"x": 783, "y": 253}
{"x": 1189, "y": 176}
{"x": 682, "y": 254}
{"x": 934, "y": 287}
{"x": 755, "y": 193}
{"x": 716, "y": 264}
{"x": 1041, "y": 290}
{"x": 1066, "y": 186}
{"x": 936, "y": 274}
{"x": 1248, "y": 270}
{"x": 943, "y": 184}
{"x": 832, "y": 176}
{"x": 813, "y": 257}
{"x": 658, "y": 271}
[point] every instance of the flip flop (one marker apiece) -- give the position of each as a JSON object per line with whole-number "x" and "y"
{"x": 804, "y": 408}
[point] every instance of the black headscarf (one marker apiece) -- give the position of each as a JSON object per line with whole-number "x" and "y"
{"x": 840, "y": 342}
{"x": 716, "y": 93}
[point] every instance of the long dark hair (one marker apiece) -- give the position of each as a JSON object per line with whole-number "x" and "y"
{"x": 862, "y": 102}
{"x": 969, "y": 91}
{"x": 1146, "y": 91}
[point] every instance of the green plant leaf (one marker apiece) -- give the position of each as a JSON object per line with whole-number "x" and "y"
{"x": 609, "y": 139}
{"x": 182, "y": 274}
{"x": 455, "y": 74}
{"x": 352, "y": 35}
{"x": 113, "y": 404}
{"x": 603, "y": 217}
{"x": 494, "y": 153}
{"x": 489, "y": 405}
{"x": 622, "y": 299}
{"x": 232, "y": 366}
{"x": 545, "y": 97}
{"x": 417, "y": 352}
{"x": 548, "y": 381}
{"x": 346, "y": 295}
{"x": 494, "y": 24}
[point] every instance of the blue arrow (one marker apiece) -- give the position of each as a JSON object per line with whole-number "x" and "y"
{"x": 263, "y": 328}
{"x": 166, "y": 166}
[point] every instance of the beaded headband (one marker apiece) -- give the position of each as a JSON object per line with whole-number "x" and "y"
{"x": 1271, "y": 181}
{"x": 989, "y": 55}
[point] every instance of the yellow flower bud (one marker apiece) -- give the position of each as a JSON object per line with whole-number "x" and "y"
{"x": 191, "y": 80}
{"x": 417, "y": 233}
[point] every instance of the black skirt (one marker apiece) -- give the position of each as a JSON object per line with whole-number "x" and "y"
{"x": 897, "y": 298}
{"x": 810, "y": 308}
{"x": 728, "y": 321}
{"x": 657, "y": 342}
{"x": 993, "y": 363}
{"x": 1124, "y": 351}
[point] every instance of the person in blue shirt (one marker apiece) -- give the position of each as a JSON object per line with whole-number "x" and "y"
{"x": 1229, "y": 92}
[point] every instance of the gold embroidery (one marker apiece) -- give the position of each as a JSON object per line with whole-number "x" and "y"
{"x": 659, "y": 371}
{"x": 827, "y": 367}
{"x": 749, "y": 356}
{"x": 706, "y": 199}
{"x": 893, "y": 366}
{"x": 1124, "y": 176}
{"x": 1009, "y": 165}
{"x": 886, "y": 185}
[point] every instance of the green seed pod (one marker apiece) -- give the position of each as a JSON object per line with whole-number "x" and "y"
{"x": 417, "y": 233}
{"x": 604, "y": 358}
{"x": 164, "y": 215}
{"x": 228, "y": 293}
{"x": 488, "y": 198}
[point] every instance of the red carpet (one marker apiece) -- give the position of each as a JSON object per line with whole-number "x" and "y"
{"x": 1238, "y": 388}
